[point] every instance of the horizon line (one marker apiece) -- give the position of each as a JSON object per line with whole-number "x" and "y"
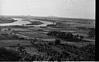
{"x": 51, "y": 16}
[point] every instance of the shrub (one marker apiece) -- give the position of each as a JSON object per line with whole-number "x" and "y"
{"x": 8, "y": 55}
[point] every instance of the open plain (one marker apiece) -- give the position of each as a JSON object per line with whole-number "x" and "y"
{"x": 47, "y": 39}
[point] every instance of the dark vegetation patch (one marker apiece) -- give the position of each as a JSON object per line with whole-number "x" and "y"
{"x": 8, "y": 55}
{"x": 65, "y": 36}
{"x": 35, "y": 23}
{"x": 92, "y": 33}
{"x": 82, "y": 28}
{"x": 17, "y": 26}
{"x": 52, "y": 52}
{"x": 57, "y": 51}
{"x": 10, "y": 37}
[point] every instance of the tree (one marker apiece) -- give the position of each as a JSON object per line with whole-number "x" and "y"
{"x": 91, "y": 33}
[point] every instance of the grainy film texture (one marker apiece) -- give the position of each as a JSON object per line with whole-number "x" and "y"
{"x": 47, "y": 30}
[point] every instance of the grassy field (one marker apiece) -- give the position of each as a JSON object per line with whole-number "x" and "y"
{"x": 46, "y": 47}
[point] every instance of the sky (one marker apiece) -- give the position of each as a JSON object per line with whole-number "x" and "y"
{"x": 59, "y": 8}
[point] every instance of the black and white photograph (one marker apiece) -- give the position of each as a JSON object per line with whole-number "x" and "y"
{"x": 47, "y": 30}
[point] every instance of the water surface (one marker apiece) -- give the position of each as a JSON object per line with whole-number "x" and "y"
{"x": 21, "y": 21}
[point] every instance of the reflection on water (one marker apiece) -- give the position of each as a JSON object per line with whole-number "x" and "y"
{"x": 20, "y": 21}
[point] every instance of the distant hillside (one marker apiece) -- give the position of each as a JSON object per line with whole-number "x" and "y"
{"x": 64, "y": 19}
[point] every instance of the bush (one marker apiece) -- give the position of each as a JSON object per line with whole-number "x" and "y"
{"x": 57, "y": 41}
{"x": 8, "y": 55}
{"x": 91, "y": 33}
{"x": 65, "y": 36}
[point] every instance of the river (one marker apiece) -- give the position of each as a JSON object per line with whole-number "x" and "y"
{"x": 20, "y": 21}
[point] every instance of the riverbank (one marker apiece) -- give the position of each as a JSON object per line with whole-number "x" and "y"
{"x": 6, "y": 20}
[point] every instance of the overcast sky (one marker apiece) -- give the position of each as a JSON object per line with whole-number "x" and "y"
{"x": 60, "y": 8}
